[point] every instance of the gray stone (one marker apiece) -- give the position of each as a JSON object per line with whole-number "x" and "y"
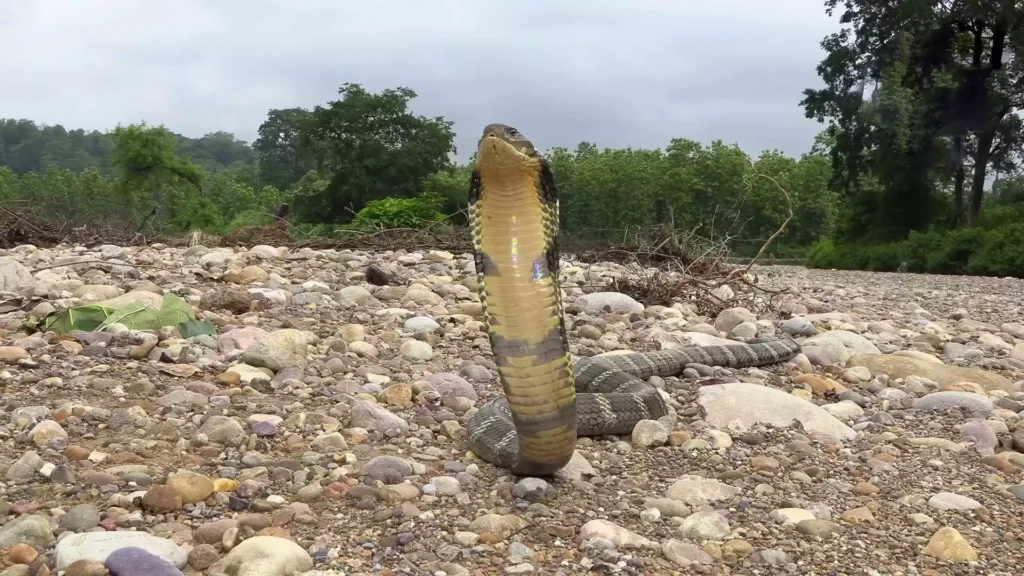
{"x": 26, "y": 467}
{"x": 841, "y": 345}
{"x": 418, "y": 323}
{"x": 955, "y": 399}
{"x": 951, "y": 501}
{"x": 14, "y": 276}
{"x": 278, "y": 350}
{"x": 798, "y": 326}
{"x": 80, "y": 518}
{"x": 97, "y": 546}
{"x": 31, "y": 529}
{"x": 614, "y": 301}
{"x": 751, "y": 404}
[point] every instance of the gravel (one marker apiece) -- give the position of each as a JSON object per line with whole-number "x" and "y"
{"x": 321, "y": 431}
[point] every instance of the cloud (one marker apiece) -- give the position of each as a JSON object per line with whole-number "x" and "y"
{"x": 634, "y": 73}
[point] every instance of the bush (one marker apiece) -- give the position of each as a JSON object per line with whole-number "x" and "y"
{"x": 400, "y": 212}
{"x": 978, "y": 251}
{"x": 916, "y": 248}
{"x": 952, "y": 250}
{"x": 820, "y": 254}
{"x": 1001, "y": 253}
{"x": 825, "y": 254}
{"x": 249, "y": 218}
{"x": 884, "y": 258}
{"x": 999, "y": 215}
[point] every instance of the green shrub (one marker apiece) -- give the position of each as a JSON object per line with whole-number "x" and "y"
{"x": 884, "y": 257}
{"x": 820, "y": 254}
{"x": 1001, "y": 253}
{"x": 951, "y": 250}
{"x": 978, "y": 251}
{"x": 249, "y": 218}
{"x": 194, "y": 213}
{"x": 916, "y": 248}
{"x": 851, "y": 257}
{"x": 400, "y": 212}
{"x": 879, "y": 257}
{"x": 1001, "y": 215}
{"x": 453, "y": 186}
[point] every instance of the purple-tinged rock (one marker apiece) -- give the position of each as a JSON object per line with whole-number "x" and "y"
{"x": 133, "y": 561}
{"x": 264, "y": 429}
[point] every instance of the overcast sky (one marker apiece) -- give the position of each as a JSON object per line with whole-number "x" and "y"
{"x": 618, "y": 73}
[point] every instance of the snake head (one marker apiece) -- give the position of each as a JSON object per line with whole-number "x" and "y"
{"x": 502, "y": 140}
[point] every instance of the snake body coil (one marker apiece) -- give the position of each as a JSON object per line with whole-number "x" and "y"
{"x": 532, "y": 428}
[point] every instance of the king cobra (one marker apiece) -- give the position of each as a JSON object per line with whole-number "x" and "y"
{"x": 531, "y": 430}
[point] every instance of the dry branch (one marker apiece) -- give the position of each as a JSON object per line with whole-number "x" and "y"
{"x": 22, "y": 222}
{"x": 701, "y": 275}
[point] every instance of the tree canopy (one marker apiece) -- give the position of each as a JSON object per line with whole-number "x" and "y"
{"x": 948, "y": 89}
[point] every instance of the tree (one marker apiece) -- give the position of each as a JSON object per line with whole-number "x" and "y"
{"x": 29, "y": 147}
{"x": 942, "y": 70}
{"x": 216, "y": 151}
{"x": 147, "y": 159}
{"x": 371, "y": 147}
{"x": 284, "y": 157}
{"x": 452, "y": 185}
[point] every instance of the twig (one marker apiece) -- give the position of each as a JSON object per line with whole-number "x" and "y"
{"x": 768, "y": 242}
{"x": 23, "y": 220}
{"x": 41, "y": 268}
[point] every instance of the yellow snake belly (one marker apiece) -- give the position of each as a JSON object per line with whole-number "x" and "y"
{"x": 532, "y": 428}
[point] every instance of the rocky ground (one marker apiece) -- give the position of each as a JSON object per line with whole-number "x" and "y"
{"x": 321, "y": 431}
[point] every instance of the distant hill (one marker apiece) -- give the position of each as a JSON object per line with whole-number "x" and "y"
{"x": 26, "y": 146}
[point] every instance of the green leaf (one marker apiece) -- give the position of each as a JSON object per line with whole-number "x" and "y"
{"x": 193, "y": 328}
{"x": 118, "y": 316}
{"x": 85, "y": 318}
{"x": 138, "y": 316}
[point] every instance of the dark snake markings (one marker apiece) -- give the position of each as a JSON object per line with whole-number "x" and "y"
{"x": 532, "y": 428}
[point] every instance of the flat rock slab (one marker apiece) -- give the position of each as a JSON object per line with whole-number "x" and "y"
{"x": 97, "y": 546}
{"x": 750, "y": 404}
{"x": 904, "y": 366}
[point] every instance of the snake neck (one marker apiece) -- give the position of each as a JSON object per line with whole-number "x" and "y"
{"x": 513, "y": 227}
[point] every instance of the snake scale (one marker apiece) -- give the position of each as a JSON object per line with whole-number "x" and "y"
{"x": 532, "y": 428}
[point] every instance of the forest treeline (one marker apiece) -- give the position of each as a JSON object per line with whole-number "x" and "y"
{"x": 918, "y": 165}
{"x": 366, "y": 159}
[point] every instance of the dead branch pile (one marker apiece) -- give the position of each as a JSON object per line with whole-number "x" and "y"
{"x": 700, "y": 274}
{"x": 710, "y": 288}
{"x": 451, "y": 239}
{"x": 22, "y": 223}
